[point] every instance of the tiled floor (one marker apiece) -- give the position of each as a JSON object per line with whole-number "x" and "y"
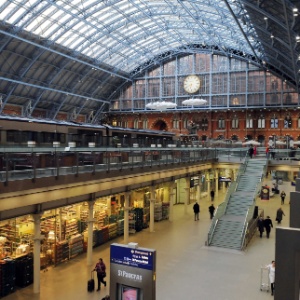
{"x": 186, "y": 269}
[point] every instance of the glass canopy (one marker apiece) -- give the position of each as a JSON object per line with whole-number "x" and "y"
{"x": 127, "y": 33}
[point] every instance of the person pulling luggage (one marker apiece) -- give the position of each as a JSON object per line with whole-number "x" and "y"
{"x": 100, "y": 268}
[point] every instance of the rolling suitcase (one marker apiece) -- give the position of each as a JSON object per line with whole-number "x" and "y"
{"x": 91, "y": 283}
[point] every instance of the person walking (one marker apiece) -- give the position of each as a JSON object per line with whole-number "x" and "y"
{"x": 279, "y": 215}
{"x": 282, "y": 195}
{"x": 272, "y": 151}
{"x": 267, "y": 152}
{"x": 260, "y": 226}
{"x": 212, "y": 195}
{"x": 254, "y": 150}
{"x": 251, "y": 151}
{"x": 271, "y": 268}
{"x": 268, "y": 225}
{"x": 211, "y": 210}
{"x": 196, "y": 209}
{"x": 100, "y": 268}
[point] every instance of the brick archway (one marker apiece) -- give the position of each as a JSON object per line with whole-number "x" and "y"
{"x": 160, "y": 124}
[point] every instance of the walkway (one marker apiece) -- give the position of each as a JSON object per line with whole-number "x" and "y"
{"x": 186, "y": 269}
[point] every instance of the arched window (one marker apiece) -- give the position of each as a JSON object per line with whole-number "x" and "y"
{"x": 274, "y": 122}
{"x": 114, "y": 122}
{"x": 145, "y": 123}
{"x": 204, "y": 124}
{"x": 185, "y": 123}
{"x": 235, "y": 122}
{"x": 221, "y": 123}
{"x": 261, "y": 122}
{"x": 175, "y": 123}
{"x": 287, "y": 122}
{"x": 249, "y": 122}
{"x": 136, "y": 123}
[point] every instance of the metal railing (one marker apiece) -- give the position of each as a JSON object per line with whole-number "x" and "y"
{"x": 24, "y": 163}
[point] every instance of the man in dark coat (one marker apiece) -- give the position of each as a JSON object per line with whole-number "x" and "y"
{"x": 211, "y": 210}
{"x": 251, "y": 151}
{"x": 196, "y": 209}
{"x": 279, "y": 215}
{"x": 212, "y": 195}
{"x": 268, "y": 224}
{"x": 260, "y": 226}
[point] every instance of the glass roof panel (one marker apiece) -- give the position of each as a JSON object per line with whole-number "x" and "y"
{"x": 11, "y": 13}
{"x": 141, "y": 28}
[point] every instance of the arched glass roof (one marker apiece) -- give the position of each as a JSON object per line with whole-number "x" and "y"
{"x": 127, "y": 33}
{"x": 73, "y": 55}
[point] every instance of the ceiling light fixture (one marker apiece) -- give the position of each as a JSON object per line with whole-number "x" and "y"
{"x": 194, "y": 102}
{"x": 161, "y": 105}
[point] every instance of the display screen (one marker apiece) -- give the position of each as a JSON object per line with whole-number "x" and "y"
{"x": 139, "y": 258}
{"x": 129, "y": 293}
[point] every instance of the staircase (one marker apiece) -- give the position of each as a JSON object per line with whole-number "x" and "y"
{"x": 228, "y": 229}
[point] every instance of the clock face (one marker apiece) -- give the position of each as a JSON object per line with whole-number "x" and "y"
{"x": 191, "y": 84}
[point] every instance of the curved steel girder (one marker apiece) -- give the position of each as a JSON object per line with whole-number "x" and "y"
{"x": 155, "y": 12}
{"x": 62, "y": 54}
{"x": 97, "y": 116}
{"x": 36, "y": 56}
{"x": 286, "y": 23}
{"x": 52, "y": 90}
{"x": 160, "y": 29}
{"x": 51, "y": 78}
{"x": 74, "y": 87}
{"x": 195, "y": 49}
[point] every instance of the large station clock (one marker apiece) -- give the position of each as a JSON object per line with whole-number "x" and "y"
{"x": 191, "y": 84}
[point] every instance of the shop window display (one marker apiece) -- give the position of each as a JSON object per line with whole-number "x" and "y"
{"x": 65, "y": 233}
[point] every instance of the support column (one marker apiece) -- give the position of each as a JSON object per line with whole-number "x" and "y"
{"x": 108, "y": 203}
{"x": 187, "y": 194}
{"x": 172, "y": 195}
{"x": 126, "y": 218}
{"x": 91, "y": 221}
{"x": 60, "y": 225}
{"x": 208, "y": 187}
{"x": 152, "y": 202}
{"x": 217, "y": 183}
{"x": 224, "y": 186}
{"x": 234, "y": 175}
{"x": 198, "y": 192}
{"x": 36, "y": 252}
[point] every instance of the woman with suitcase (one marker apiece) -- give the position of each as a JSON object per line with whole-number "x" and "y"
{"x": 100, "y": 268}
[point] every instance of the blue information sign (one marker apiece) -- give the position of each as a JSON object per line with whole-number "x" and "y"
{"x": 133, "y": 257}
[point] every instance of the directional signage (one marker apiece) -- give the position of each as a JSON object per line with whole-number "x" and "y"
{"x": 133, "y": 257}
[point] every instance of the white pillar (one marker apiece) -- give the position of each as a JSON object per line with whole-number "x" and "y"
{"x": 126, "y": 218}
{"x": 171, "y": 201}
{"x": 187, "y": 194}
{"x": 224, "y": 186}
{"x": 217, "y": 183}
{"x": 208, "y": 188}
{"x": 152, "y": 202}
{"x": 37, "y": 252}
{"x": 60, "y": 225}
{"x": 108, "y": 203}
{"x": 91, "y": 221}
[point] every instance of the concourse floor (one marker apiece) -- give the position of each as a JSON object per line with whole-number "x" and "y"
{"x": 186, "y": 268}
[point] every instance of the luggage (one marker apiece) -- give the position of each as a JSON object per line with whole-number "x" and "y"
{"x": 264, "y": 279}
{"x": 91, "y": 283}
